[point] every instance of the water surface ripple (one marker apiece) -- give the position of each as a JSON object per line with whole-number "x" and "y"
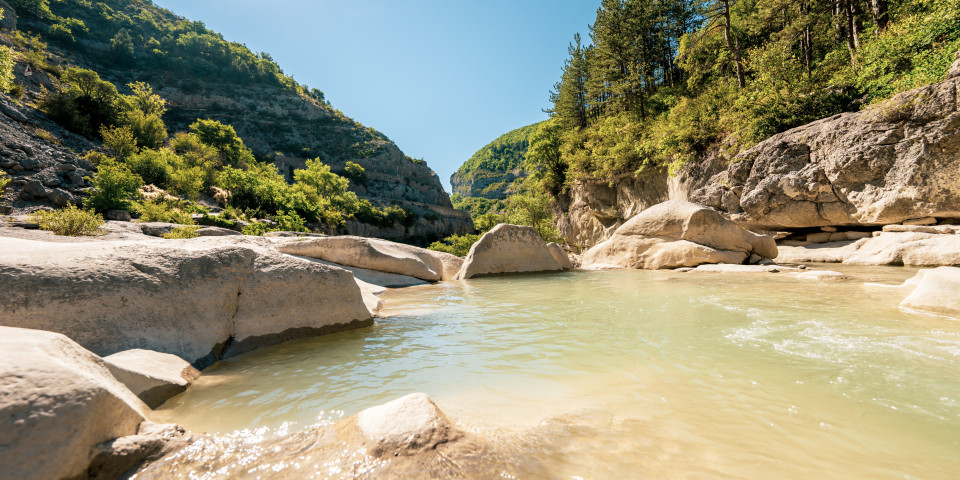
{"x": 627, "y": 374}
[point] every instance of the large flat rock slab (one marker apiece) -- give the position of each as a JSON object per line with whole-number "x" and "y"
{"x": 199, "y": 299}
{"x": 886, "y": 248}
{"x": 378, "y": 255}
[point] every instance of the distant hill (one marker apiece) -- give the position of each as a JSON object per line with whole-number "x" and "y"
{"x": 491, "y": 171}
{"x": 202, "y": 75}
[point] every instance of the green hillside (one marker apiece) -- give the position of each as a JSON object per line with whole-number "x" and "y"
{"x": 178, "y": 106}
{"x": 491, "y": 171}
{"x": 666, "y": 83}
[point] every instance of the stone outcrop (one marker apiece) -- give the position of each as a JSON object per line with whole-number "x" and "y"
{"x": 58, "y": 402}
{"x": 42, "y": 173}
{"x": 508, "y": 249}
{"x": 889, "y": 163}
{"x": 935, "y": 291}
{"x": 153, "y": 376}
{"x": 199, "y": 299}
{"x": 594, "y": 211}
{"x": 393, "y": 179}
{"x": 887, "y": 248}
{"x": 678, "y": 234}
{"x": 376, "y": 254}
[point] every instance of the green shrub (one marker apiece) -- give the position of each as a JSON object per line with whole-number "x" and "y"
{"x": 218, "y": 221}
{"x": 8, "y": 58}
{"x": 119, "y": 140}
{"x": 160, "y": 210}
{"x": 356, "y": 173}
{"x": 458, "y": 245}
{"x": 290, "y": 222}
{"x": 153, "y": 166}
{"x": 189, "y": 231}
{"x": 70, "y": 221}
{"x": 47, "y": 136}
{"x": 255, "y": 229}
{"x": 4, "y": 182}
{"x": 115, "y": 187}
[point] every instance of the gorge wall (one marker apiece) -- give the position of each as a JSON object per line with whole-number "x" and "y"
{"x": 895, "y": 161}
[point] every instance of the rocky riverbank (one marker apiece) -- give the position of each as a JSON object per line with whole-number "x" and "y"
{"x": 96, "y": 331}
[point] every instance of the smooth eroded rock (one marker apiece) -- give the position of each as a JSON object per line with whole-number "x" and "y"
{"x": 678, "y": 234}
{"x": 888, "y": 248}
{"x": 376, "y": 254}
{"x": 936, "y": 291}
{"x": 57, "y": 402}
{"x": 153, "y": 376}
{"x": 509, "y": 249}
{"x": 198, "y": 299}
{"x": 560, "y": 255}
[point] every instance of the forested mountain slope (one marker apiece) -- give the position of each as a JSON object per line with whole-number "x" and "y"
{"x": 200, "y": 75}
{"x": 493, "y": 170}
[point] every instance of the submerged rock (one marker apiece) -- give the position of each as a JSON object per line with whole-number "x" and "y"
{"x": 199, "y": 299}
{"x": 935, "y": 290}
{"x": 678, "y": 234}
{"x": 379, "y": 255}
{"x": 406, "y": 438}
{"x": 153, "y": 376}
{"x": 509, "y": 249}
{"x": 58, "y": 401}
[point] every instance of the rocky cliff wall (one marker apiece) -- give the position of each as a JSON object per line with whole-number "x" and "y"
{"x": 895, "y": 161}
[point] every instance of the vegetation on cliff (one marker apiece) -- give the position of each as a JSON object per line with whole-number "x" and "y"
{"x": 493, "y": 171}
{"x": 124, "y": 38}
{"x": 661, "y": 83}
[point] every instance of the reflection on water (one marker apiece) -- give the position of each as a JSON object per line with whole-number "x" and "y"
{"x": 626, "y": 374}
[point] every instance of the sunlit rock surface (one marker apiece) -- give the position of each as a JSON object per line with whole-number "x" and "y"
{"x": 198, "y": 299}
{"x": 58, "y": 401}
{"x": 509, "y": 249}
{"x": 678, "y": 234}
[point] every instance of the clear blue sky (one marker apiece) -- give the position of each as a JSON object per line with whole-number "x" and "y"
{"x": 441, "y": 78}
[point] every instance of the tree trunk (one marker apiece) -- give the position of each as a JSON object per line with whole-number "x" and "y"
{"x": 807, "y": 38}
{"x": 732, "y": 44}
{"x": 880, "y": 16}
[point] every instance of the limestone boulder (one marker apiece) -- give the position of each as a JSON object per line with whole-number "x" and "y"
{"x": 936, "y": 291}
{"x": 678, "y": 234}
{"x": 376, "y": 254}
{"x": 887, "y": 248}
{"x": 58, "y": 401}
{"x": 153, "y": 376}
{"x": 892, "y": 162}
{"x": 405, "y": 426}
{"x": 508, "y": 249}
{"x": 198, "y": 299}
{"x": 560, "y": 255}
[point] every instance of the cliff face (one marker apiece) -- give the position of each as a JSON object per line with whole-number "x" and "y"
{"x": 892, "y": 162}
{"x": 895, "y": 161}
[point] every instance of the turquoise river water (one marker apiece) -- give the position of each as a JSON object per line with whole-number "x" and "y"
{"x": 633, "y": 374}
